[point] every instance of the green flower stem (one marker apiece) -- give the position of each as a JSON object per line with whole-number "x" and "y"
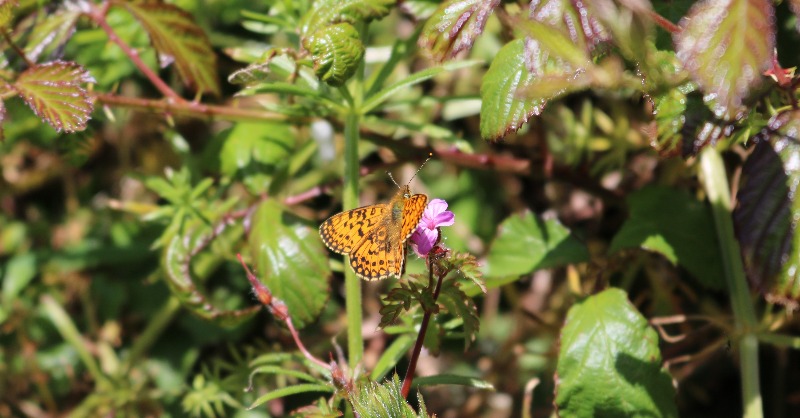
{"x": 152, "y": 332}
{"x": 64, "y": 325}
{"x": 716, "y": 186}
{"x": 352, "y": 284}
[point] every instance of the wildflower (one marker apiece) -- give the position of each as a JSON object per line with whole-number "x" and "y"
{"x": 427, "y": 233}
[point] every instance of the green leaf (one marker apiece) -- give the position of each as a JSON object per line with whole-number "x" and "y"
{"x": 336, "y": 51}
{"x": 51, "y": 31}
{"x": 609, "y": 364}
{"x": 725, "y": 46}
{"x": 290, "y": 390}
{"x": 325, "y": 12}
{"x": 54, "y": 92}
{"x": 391, "y": 356}
{"x": 7, "y": 12}
{"x": 794, "y": 6}
{"x": 461, "y": 306}
{"x": 18, "y": 271}
{"x": 255, "y": 152}
{"x": 454, "y": 27}
{"x": 767, "y": 212}
{"x": 378, "y": 98}
{"x": 290, "y": 260}
{"x": 523, "y": 77}
{"x": 178, "y": 39}
{"x": 450, "y": 379}
{"x": 684, "y": 234}
{"x": 526, "y": 243}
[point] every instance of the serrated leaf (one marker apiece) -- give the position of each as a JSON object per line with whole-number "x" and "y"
{"x": 454, "y": 27}
{"x": 255, "y": 152}
{"x": 630, "y": 24}
{"x": 290, "y": 260}
{"x": 525, "y": 243}
{"x": 461, "y": 306}
{"x": 325, "y": 12}
{"x": 55, "y": 94}
{"x": 684, "y": 234}
{"x": 609, "y": 364}
{"x": 336, "y": 51}
{"x": 178, "y": 39}
{"x": 51, "y": 31}
{"x": 511, "y": 93}
{"x": 767, "y": 210}
{"x": 725, "y": 46}
{"x": 573, "y": 19}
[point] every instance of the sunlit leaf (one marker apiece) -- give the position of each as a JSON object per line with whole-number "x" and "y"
{"x": 336, "y": 51}
{"x": 7, "y": 11}
{"x": 55, "y": 94}
{"x": 290, "y": 260}
{"x": 609, "y": 364}
{"x": 454, "y": 27}
{"x": 255, "y": 152}
{"x": 178, "y": 39}
{"x": 526, "y": 243}
{"x": 511, "y": 92}
{"x": 325, "y": 12}
{"x": 572, "y": 19}
{"x": 767, "y": 211}
{"x": 684, "y": 234}
{"x": 51, "y": 31}
{"x": 370, "y": 399}
{"x": 726, "y": 45}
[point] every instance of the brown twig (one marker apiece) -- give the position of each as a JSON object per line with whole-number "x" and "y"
{"x": 663, "y": 22}
{"x": 17, "y": 49}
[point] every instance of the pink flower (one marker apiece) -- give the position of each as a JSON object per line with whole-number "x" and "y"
{"x": 427, "y": 233}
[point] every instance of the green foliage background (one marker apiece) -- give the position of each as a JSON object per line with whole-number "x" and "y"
{"x": 623, "y": 173}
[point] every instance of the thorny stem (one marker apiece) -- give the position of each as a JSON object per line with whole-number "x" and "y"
{"x": 423, "y": 328}
{"x": 98, "y": 15}
{"x": 280, "y": 311}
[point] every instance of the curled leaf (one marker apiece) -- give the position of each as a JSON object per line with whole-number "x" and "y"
{"x": 336, "y": 51}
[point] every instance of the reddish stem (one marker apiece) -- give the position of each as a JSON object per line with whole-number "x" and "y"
{"x": 279, "y": 309}
{"x": 98, "y": 15}
{"x": 423, "y": 328}
{"x": 664, "y": 23}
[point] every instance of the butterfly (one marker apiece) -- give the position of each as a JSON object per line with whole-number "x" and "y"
{"x": 375, "y": 236}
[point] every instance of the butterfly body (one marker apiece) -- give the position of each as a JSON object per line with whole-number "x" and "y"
{"x": 374, "y": 237}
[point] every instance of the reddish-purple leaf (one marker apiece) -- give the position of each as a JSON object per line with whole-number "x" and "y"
{"x": 572, "y": 19}
{"x": 726, "y": 45}
{"x": 454, "y": 27}
{"x": 178, "y": 39}
{"x": 767, "y": 211}
{"x": 55, "y": 94}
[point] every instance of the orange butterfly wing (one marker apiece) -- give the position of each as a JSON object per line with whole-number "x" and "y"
{"x": 341, "y": 232}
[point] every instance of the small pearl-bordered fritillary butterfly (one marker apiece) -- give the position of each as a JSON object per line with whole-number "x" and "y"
{"x": 374, "y": 237}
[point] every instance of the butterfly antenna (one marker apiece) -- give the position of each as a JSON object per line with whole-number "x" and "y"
{"x": 430, "y": 155}
{"x": 392, "y": 177}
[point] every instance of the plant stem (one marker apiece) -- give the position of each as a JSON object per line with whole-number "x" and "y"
{"x": 150, "y": 334}
{"x": 353, "y": 305}
{"x": 716, "y": 186}
{"x": 423, "y": 329}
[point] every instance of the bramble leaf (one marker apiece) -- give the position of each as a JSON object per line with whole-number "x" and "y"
{"x": 255, "y": 152}
{"x": 526, "y": 243}
{"x": 51, "y": 31}
{"x": 684, "y": 234}
{"x": 290, "y": 260}
{"x": 609, "y": 364}
{"x": 178, "y": 39}
{"x": 454, "y": 27}
{"x": 325, "y": 12}
{"x": 767, "y": 210}
{"x": 55, "y": 94}
{"x": 336, "y": 51}
{"x": 725, "y": 46}
{"x": 523, "y": 77}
